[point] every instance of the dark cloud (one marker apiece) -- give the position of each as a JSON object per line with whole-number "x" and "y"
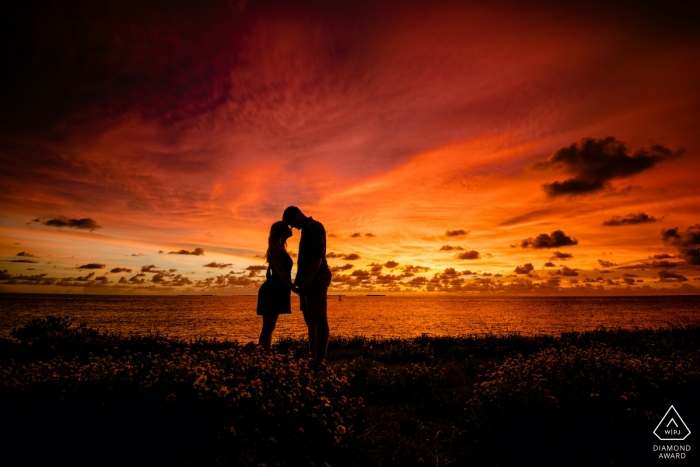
{"x": 663, "y": 264}
{"x": 87, "y": 281}
{"x": 36, "y": 279}
{"x": 409, "y": 270}
{"x": 150, "y": 268}
{"x": 240, "y": 281}
{"x": 606, "y": 264}
{"x": 341, "y": 268}
{"x": 214, "y": 264}
{"x": 356, "y": 234}
{"x": 91, "y": 266}
{"x": 26, "y": 254}
{"x": 668, "y": 276}
{"x": 360, "y": 273}
{"x": 566, "y": 271}
{"x": 123, "y": 280}
{"x": 118, "y": 270}
{"x": 369, "y": 235}
{"x": 687, "y": 242}
{"x": 390, "y": 264}
{"x": 256, "y": 267}
{"x": 524, "y": 269}
{"x": 195, "y": 252}
{"x": 561, "y": 255}
{"x": 332, "y": 235}
{"x": 557, "y": 239}
{"x": 420, "y": 280}
{"x": 631, "y": 219}
{"x": 450, "y": 248}
{"x": 455, "y": 233}
{"x": 122, "y": 57}
{"x": 180, "y": 280}
{"x": 387, "y": 279}
{"x": 472, "y": 254}
{"x": 159, "y": 277}
{"x": 84, "y": 278}
{"x": 343, "y": 278}
{"x": 350, "y": 257}
{"x": 549, "y": 264}
{"x": 662, "y": 256}
{"x": 595, "y": 162}
{"x": 21, "y": 261}
{"x": 62, "y": 221}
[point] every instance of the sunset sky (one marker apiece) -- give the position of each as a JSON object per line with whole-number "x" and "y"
{"x": 147, "y": 147}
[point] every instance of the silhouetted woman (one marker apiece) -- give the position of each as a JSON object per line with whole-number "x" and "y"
{"x": 274, "y": 294}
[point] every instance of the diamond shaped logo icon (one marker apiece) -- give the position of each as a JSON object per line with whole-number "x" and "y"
{"x": 672, "y": 427}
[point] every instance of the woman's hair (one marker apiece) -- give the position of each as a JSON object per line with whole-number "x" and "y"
{"x": 278, "y": 238}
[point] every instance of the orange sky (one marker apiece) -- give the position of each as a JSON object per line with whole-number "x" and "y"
{"x": 134, "y": 131}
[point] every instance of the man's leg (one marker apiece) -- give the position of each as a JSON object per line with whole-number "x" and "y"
{"x": 322, "y": 332}
{"x": 311, "y": 326}
{"x": 317, "y": 311}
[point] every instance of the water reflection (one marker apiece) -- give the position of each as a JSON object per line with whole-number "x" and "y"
{"x": 235, "y": 318}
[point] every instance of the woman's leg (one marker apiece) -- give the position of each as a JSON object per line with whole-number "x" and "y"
{"x": 269, "y": 323}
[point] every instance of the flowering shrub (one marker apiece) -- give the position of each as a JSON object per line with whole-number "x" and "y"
{"x": 430, "y": 400}
{"x": 264, "y": 406}
{"x": 387, "y": 350}
{"x": 415, "y": 382}
{"x": 596, "y": 381}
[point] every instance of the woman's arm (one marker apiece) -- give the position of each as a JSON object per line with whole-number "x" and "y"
{"x": 276, "y": 258}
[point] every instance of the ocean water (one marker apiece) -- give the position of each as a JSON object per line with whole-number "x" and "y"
{"x": 233, "y": 317}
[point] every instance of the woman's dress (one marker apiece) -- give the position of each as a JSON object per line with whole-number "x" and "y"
{"x": 274, "y": 295}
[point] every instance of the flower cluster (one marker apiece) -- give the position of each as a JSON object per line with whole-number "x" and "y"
{"x": 263, "y": 405}
{"x": 584, "y": 382}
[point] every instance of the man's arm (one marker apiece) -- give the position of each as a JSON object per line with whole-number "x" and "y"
{"x": 313, "y": 269}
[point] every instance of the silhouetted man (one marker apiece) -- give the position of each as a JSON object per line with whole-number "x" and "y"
{"x": 313, "y": 278}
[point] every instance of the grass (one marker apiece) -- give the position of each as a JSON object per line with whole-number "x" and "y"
{"x": 78, "y": 395}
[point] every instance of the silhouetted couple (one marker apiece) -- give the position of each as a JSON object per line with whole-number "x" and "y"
{"x": 311, "y": 282}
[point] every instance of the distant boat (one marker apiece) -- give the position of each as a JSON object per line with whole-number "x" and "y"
{"x": 375, "y": 295}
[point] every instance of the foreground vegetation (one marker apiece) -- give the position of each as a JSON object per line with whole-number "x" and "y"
{"x": 75, "y": 394}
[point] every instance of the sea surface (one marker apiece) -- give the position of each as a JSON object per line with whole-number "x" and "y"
{"x": 233, "y": 317}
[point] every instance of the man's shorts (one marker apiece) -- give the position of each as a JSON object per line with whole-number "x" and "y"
{"x": 315, "y": 299}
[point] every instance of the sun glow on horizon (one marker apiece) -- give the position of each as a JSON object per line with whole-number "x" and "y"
{"x": 446, "y": 148}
